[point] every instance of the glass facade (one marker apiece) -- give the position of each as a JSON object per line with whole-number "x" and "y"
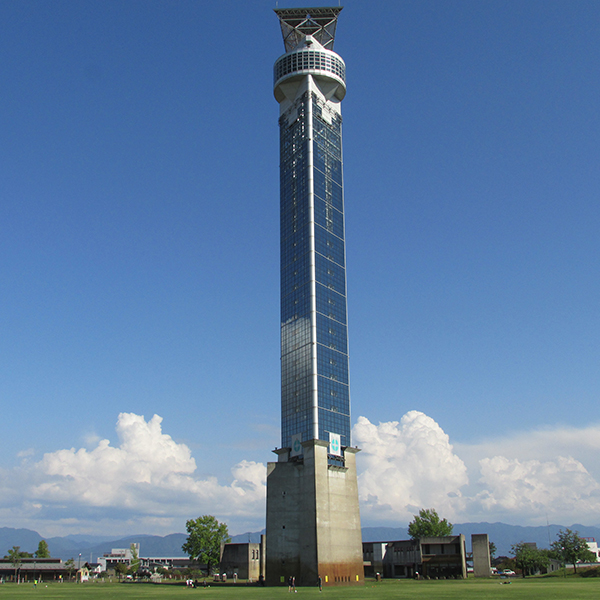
{"x": 315, "y": 398}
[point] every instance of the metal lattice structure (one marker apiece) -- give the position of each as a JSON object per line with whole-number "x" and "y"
{"x": 296, "y": 23}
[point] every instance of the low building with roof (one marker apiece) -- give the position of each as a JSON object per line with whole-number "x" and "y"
{"x": 430, "y": 558}
{"x": 30, "y": 569}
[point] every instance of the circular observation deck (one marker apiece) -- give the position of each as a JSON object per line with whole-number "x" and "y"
{"x": 320, "y": 63}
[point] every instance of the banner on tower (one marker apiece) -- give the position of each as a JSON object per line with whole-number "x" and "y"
{"x": 296, "y": 445}
{"x": 335, "y": 445}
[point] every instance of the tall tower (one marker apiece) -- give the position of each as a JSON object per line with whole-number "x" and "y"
{"x": 313, "y": 521}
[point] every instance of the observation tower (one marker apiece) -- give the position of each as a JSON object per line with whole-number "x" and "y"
{"x": 313, "y": 521}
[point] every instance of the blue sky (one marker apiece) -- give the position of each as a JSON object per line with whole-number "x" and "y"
{"x": 139, "y": 260}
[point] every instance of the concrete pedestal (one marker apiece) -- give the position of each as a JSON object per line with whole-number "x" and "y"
{"x": 313, "y": 520}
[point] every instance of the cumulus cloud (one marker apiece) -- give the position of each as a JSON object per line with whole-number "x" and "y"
{"x": 408, "y": 465}
{"x": 525, "y": 479}
{"x": 148, "y": 482}
{"x": 544, "y": 444}
{"x": 147, "y": 479}
{"x": 532, "y": 488}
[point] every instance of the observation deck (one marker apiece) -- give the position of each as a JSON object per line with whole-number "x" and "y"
{"x": 308, "y": 37}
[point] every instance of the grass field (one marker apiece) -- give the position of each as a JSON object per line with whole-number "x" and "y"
{"x": 530, "y": 589}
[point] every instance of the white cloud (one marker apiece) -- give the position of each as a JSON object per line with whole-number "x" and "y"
{"x": 524, "y": 479}
{"x": 406, "y": 466}
{"x": 543, "y": 444}
{"x": 149, "y": 483}
{"x": 531, "y": 486}
{"x": 147, "y": 480}
{"x": 26, "y": 453}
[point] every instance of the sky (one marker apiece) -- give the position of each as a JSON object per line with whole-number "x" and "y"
{"x": 139, "y": 261}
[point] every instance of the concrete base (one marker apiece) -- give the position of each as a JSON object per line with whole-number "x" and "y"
{"x": 313, "y": 521}
{"x": 481, "y": 555}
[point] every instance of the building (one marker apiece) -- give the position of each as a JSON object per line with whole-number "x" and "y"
{"x": 593, "y": 546}
{"x": 242, "y": 561}
{"x": 313, "y": 521}
{"x": 151, "y": 563}
{"x": 118, "y": 555}
{"x": 429, "y": 558}
{"x": 31, "y": 569}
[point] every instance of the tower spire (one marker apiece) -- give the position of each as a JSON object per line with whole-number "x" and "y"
{"x": 297, "y": 23}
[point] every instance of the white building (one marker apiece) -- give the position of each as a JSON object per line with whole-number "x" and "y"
{"x": 593, "y": 547}
{"x": 118, "y": 555}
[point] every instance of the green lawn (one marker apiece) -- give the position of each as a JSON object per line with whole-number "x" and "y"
{"x": 530, "y": 589}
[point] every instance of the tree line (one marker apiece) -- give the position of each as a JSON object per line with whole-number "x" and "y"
{"x": 206, "y": 536}
{"x": 569, "y": 548}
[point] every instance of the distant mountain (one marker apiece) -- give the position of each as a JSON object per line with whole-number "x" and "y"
{"x": 87, "y": 539}
{"x": 91, "y": 547}
{"x": 25, "y": 538}
{"x": 150, "y": 545}
{"x": 384, "y": 534}
{"x": 504, "y": 536}
{"x": 252, "y": 538}
{"x": 72, "y": 545}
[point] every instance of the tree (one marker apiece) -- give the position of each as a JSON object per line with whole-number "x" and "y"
{"x": 121, "y": 569}
{"x": 571, "y": 549}
{"x": 135, "y": 560}
{"x": 205, "y": 536}
{"x": 493, "y": 550}
{"x": 16, "y": 550}
{"x": 528, "y": 558}
{"x": 43, "y": 551}
{"x": 15, "y": 555}
{"x": 70, "y": 566}
{"x": 428, "y": 524}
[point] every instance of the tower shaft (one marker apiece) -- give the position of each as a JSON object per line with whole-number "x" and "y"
{"x": 313, "y": 521}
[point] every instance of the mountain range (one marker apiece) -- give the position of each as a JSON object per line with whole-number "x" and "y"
{"x": 90, "y": 547}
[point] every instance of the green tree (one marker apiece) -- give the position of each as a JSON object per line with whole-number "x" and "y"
{"x": 493, "y": 550}
{"x": 571, "y": 549}
{"x": 135, "y": 560}
{"x": 205, "y": 536}
{"x": 15, "y": 556}
{"x": 506, "y": 563}
{"x": 43, "y": 551}
{"x": 121, "y": 569}
{"x": 529, "y": 558}
{"x": 70, "y": 566}
{"x": 16, "y": 550}
{"x": 428, "y": 524}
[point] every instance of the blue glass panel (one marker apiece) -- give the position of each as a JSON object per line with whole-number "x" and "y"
{"x": 334, "y": 422}
{"x": 329, "y": 218}
{"x": 294, "y": 246}
{"x": 332, "y": 364}
{"x": 331, "y": 333}
{"x": 296, "y": 304}
{"x": 295, "y": 334}
{"x": 330, "y": 274}
{"x": 329, "y": 245}
{"x": 331, "y": 304}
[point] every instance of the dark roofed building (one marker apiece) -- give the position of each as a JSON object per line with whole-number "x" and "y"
{"x": 432, "y": 558}
{"x": 34, "y": 568}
